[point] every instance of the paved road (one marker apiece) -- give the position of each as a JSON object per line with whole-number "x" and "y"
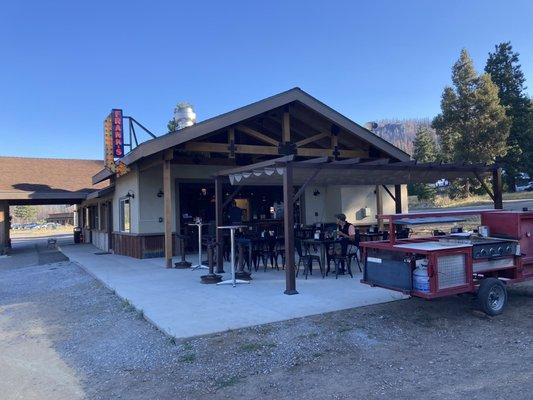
{"x": 30, "y": 251}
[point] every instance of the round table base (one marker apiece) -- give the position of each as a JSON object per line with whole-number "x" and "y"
{"x": 182, "y": 265}
{"x": 211, "y": 278}
{"x": 247, "y": 276}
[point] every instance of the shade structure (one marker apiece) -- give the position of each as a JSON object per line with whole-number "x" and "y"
{"x": 324, "y": 171}
{"x": 288, "y": 172}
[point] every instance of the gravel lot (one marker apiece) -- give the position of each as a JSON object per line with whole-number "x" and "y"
{"x": 65, "y": 336}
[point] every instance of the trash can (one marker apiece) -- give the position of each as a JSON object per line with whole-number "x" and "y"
{"x": 77, "y": 235}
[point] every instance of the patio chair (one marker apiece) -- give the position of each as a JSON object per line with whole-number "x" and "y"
{"x": 350, "y": 251}
{"x": 342, "y": 255}
{"x": 267, "y": 252}
{"x": 280, "y": 252}
{"x": 306, "y": 259}
{"x": 354, "y": 252}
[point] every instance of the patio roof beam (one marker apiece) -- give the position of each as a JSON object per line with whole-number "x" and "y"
{"x": 389, "y": 192}
{"x": 347, "y": 161}
{"x": 306, "y": 183}
{"x": 312, "y": 139}
{"x": 205, "y": 147}
{"x": 257, "y": 135}
{"x": 485, "y": 186}
{"x": 232, "y": 196}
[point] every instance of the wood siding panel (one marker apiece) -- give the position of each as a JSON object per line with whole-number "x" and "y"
{"x": 142, "y": 246}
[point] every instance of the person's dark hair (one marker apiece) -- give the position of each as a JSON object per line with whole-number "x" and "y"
{"x": 342, "y": 217}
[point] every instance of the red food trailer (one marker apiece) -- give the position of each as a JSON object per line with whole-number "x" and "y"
{"x": 485, "y": 261}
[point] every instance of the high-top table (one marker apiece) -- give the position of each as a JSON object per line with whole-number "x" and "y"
{"x": 233, "y": 281}
{"x": 199, "y": 265}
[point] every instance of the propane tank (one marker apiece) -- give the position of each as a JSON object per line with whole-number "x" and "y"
{"x": 421, "y": 276}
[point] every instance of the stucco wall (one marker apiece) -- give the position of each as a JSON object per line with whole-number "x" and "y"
{"x": 125, "y": 183}
{"x": 349, "y": 200}
{"x": 151, "y": 181}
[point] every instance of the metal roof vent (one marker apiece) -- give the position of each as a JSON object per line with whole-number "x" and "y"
{"x": 184, "y": 115}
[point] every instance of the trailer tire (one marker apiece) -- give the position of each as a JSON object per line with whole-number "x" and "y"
{"x": 492, "y": 296}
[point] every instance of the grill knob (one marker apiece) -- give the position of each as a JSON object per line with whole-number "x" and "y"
{"x": 500, "y": 250}
{"x": 508, "y": 249}
{"x": 483, "y": 252}
{"x": 491, "y": 251}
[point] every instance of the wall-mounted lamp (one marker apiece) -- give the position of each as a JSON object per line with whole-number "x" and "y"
{"x": 316, "y": 192}
{"x": 130, "y": 194}
{"x": 160, "y": 193}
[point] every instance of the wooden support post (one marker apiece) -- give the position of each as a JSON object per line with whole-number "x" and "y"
{"x": 219, "y": 222}
{"x": 379, "y": 206}
{"x": 231, "y": 142}
{"x": 288, "y": 224}
{"x": 3, "y": 224}
{"x": 398, "y": 198}
{"x": 335, "y": 142}
{"x": 167, "y": 200}
{"x": 497, "y": 188}
{"x": 286, "y": 130}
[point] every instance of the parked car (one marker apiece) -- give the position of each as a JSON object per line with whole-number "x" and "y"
{"x": 528, "y": 187}
{"x": 50, "y": 225}
{"x": 29, "y": 226}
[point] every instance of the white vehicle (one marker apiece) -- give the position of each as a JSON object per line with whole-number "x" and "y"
{"x": 528, "y": 187}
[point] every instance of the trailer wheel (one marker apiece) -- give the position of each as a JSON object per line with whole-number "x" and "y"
{"x": 492, "y": 296}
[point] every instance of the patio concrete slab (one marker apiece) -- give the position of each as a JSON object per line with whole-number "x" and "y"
{"x": 178, "y": 304}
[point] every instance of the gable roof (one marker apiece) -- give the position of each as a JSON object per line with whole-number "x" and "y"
{"x": 46, "y": 180}
{"x": 228, "y": 119}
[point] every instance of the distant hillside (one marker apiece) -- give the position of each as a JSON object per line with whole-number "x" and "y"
{"x": 401, "y": 133}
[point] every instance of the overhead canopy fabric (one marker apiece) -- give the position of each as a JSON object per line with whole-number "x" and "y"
{"x": 323, "y": 171}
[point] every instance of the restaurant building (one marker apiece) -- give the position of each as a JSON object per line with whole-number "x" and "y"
{"x": 159, "y": 186}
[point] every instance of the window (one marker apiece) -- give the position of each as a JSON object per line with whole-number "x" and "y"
{"x": 125, "y": 215}
{"x": 86, "y": 218}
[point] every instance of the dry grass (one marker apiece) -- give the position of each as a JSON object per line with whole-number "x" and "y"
{"x": 62, "y": 230}
{"x": 442, "y": 201}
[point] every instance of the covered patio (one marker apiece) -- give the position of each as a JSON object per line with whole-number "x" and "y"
{"x": 295, "y": 175}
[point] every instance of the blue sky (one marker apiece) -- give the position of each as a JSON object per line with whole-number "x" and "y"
{"x": 65, "y": 64}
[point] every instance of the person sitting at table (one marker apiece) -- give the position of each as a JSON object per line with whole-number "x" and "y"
{"x": 346, "y": 234}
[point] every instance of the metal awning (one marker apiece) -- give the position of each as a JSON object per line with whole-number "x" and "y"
{"x": 324, "y": 171}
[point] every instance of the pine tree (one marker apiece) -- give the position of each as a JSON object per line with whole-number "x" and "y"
{"x": 25, "y": 213}
{"x": 424, "y": 146}
{"x": 424, "y": 150}
{"x": 505, "y": 71}
{"x": 172, "y": 125}
{"x": 472, "y": 126}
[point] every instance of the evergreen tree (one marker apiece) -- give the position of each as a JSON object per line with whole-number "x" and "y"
{"x": 424, "y": 150}
{"x": 472, "y": 126}
{"x": 172, "y": 125}
{"x": 505, "y": 71}
{"x": 25, "y": 213}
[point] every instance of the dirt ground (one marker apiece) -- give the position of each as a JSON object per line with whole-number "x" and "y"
{"x": 65, "y": 336}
